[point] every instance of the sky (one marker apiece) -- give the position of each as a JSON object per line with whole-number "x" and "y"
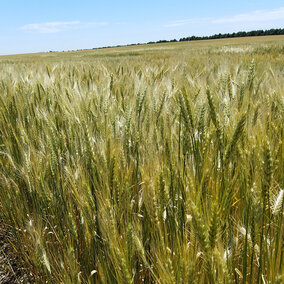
{"x": 38, "y": 25}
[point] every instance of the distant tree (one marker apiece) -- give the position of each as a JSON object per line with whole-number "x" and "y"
{"x": 216, "y": 36}
{"x": 236, "y": 34}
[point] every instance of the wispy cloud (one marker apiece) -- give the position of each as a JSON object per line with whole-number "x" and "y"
{"x": 55, "y": 27}
{"x": 188, "y": 21}
{"x": 95, "y": 24}
{"x": 255, "y": 16}
{"x": 259, "y": 16}
{"x": 51, "y": 27}
{"x": 121, "y": 23}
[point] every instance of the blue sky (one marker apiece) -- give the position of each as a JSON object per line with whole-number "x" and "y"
{"x": 39, "y": 25}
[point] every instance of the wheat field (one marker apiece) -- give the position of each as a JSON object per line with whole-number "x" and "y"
{"x": 146, "y": 164}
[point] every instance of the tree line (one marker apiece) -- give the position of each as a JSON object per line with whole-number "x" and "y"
{"x": 227, "y": 35}
{"x": 216, "y": 36}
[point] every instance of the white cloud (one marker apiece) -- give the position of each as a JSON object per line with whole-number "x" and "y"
{"x": 121, "y": 23}
{"x": 96, "y": 24}
{"x": 52, "y": 27}
{"x": 187, "y": 21}
{"x": 259, "y": 16}
{"x": 255, "y": 16}
{"x": 55, "y": 27}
